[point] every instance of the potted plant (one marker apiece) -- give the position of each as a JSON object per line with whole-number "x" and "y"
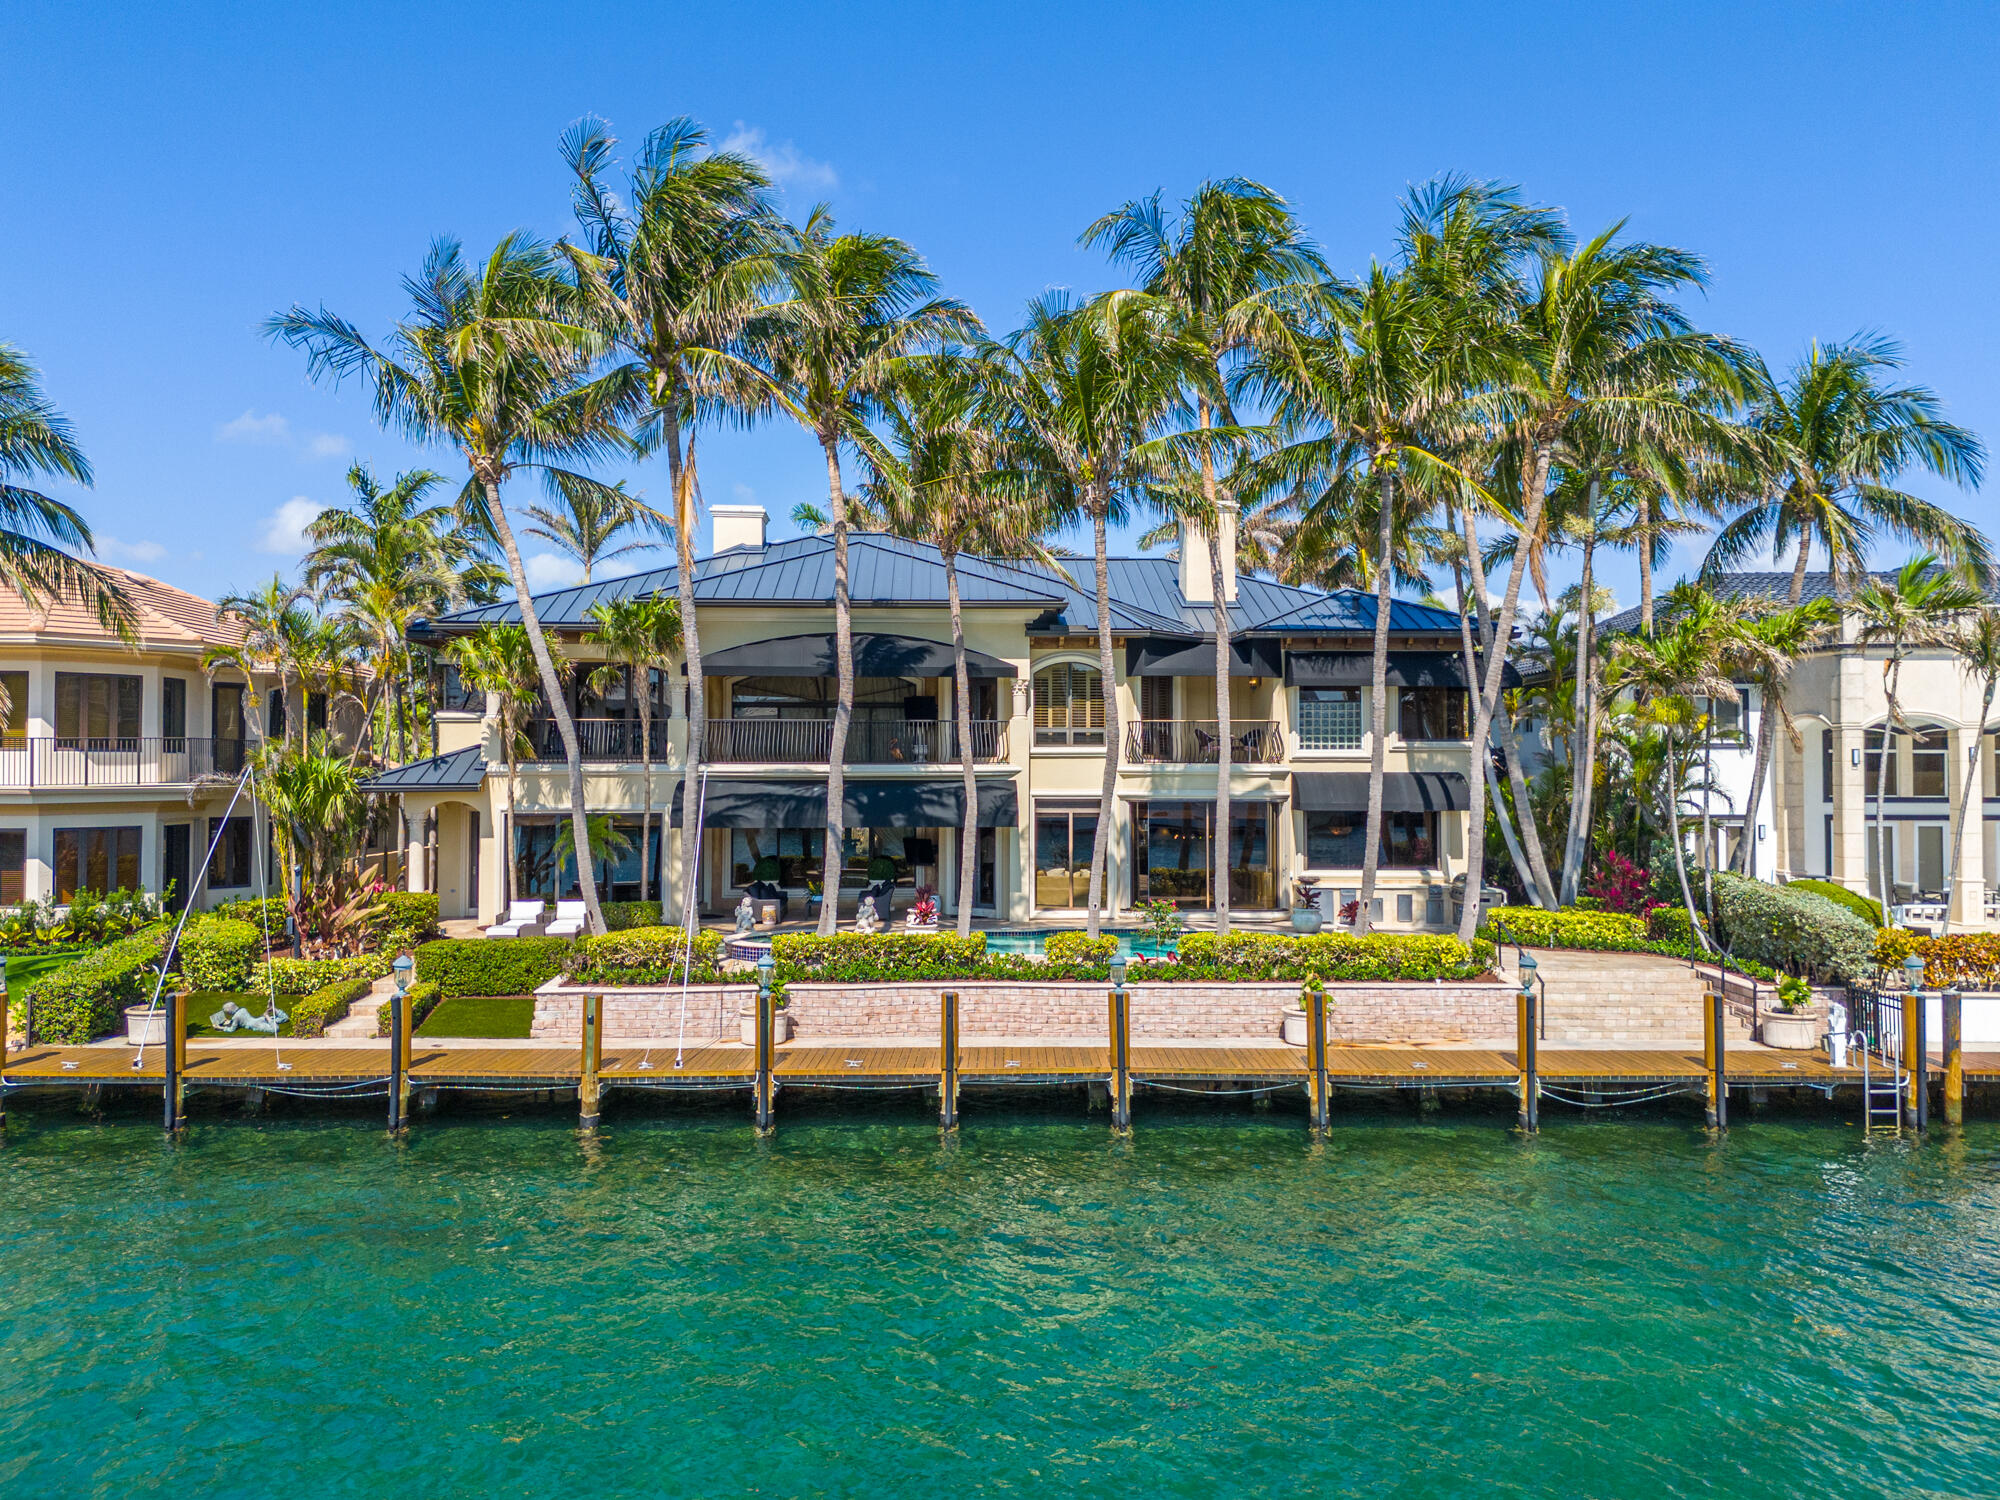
{"x": 1792, "y": 1026}
{"x": 1295, "y": 1024}
{"x": 1306, "y": 915}
{"x": 923, "y": 914}
{"x": 1165, "y": 922}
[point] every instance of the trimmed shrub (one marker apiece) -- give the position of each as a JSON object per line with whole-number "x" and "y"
{"x": 1792, "y": 930}
{"x": 880, "y": 956}
{"x": 265, "y": 912}
{"x": 216, "y": 953}
{"x": 1669, "y": 924}
{"x": 1078, "y": 948}
{"x": 301, "y": 976}
{"x": 312, "y": 1014}
{"x": 623, "y": 916}
{"x": 1869, "y": 911}
{"x": 1968, "y": 960}
{"x": 491, "y": 966}
{"x": 1599, "y": 931}
{"x": 424, "y": 999}
{"x": 83, "y": 1000}
{"x": 404, "y": 918}
{"x": 643, "y": 955}
{"x": 1244, "y": 957}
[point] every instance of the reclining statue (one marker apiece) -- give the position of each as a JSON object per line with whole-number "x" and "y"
{"x": 233, "y": 1017}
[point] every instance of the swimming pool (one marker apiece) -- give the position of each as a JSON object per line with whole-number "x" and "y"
{"x": 1131, "y": 942}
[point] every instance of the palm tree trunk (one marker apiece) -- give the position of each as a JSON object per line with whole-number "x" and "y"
{"x": 961, "y": 707}
{"x": 586, "y": 875}
{"x": 1965, "y": 801}
{"x": 1581, "y": 766}
{"x": 644, "y": 674}
{"x": 1739, "y": 862}
{"x": 1644, "y": 531}
{"x": 843, "y": 703}
{"x": 507, "y": 833}
{"x": 1798, "y": 590}
{"x": 1476, "y": 784}
{"x": 1219, "y": 617}
{"x": 1378, "y": 699}
{"x": 1107, "y": 800}
{"x": 1680, "y": 857}
{"x": 681, "y": 477}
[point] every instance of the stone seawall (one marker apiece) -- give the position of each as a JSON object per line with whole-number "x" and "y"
{"x": 1358, "y": 1012}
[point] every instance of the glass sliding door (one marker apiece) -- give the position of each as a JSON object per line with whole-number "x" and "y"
{"x": 1175, "y": 841}
{"x": 1064, "y": 838}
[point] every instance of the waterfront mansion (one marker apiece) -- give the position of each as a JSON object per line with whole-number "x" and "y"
{"x": 1298, "y": 735}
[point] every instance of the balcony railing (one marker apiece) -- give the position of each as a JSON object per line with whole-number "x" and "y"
{"x": 600, "y": 739}
{"x": 1330, "y": 726}
{"x": 28, "y": 763}
{"x": 869, "y": 741}
{"x": 1194, "y": 742}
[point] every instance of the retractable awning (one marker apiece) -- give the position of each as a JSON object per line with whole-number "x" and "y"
{"x": 903, "y": 803}
{"x": 1402, "y": 791}
{"x": 1170, "y": 656}
{"x": 874, "y": 656}
{"x": 1406, "y": 669}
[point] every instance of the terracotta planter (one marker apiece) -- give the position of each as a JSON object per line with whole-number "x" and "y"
{"x": 1794, "y": 1032}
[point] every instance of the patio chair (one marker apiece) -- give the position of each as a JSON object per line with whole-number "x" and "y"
{"x": 761, "y": 891}
{"x": 524, "y": 919}
{"x": 569, "y": 920}
{"x": 884, "y": 894}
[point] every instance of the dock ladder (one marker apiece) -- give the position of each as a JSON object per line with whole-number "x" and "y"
{"x": 1883, "y": 1084}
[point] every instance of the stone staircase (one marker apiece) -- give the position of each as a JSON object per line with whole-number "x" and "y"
{"x": 1622, "y": 1000}
{"x": 360, "y": 1019}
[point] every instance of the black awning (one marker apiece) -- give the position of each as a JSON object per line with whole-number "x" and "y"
{"x": 1177, "y": 656}
{"x": 937, "y": 802}
{"x": 1402, "y": 791}
{"x": 874, "y": 656}
{"x": 1406, "y": 669}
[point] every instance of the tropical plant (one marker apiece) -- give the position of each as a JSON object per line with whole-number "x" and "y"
{"x": 1827, "y": 445}
{"x": 499, "y": 660}
{"x": 638, "y": 636}
{"x": 605, "y": 842}
{"x": 271, "y": 619}
{"x": 493, "y": 360}
{"x": 852, "y": 306}
{"x": 318, "y": 818}
{"x": 591, "y": 522}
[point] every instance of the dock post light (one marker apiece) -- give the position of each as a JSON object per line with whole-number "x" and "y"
{"x": 1913, "y": 972}
{"x": 767, "y": 965}
{"x": 403, "y": 967}
{"x": 1121, "y": 1049}
{"x": 1528, "y": 967}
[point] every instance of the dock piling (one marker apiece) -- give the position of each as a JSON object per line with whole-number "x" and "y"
{"x": 399, "y": 1062}
{"x": 948, "y": 1061}
{"x": 1121, "y": 1051}
{"x": 766, "y": 1080}
{"x": 1916, "y": 1049}
{"x": 1524, "y": 1043}
{"x": 587, "y": 1089}
{"x": 174, "y": 1091}
{"x": 1315, "y": 999}
{"x": 3, "y": 1049}
{"x": 1715, "y": 1062}
{"x": 1954, "y": 1058}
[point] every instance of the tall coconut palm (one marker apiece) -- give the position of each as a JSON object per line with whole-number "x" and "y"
{"x": 36, "y": 529}
{"x": 1088, "y": 388}
{"x": 638, "y": 636}
{"x": 499, "y": 661}
{"x": 493, "y": 360}
{"x": 1976, "y": 644}
{"x": 940, "y": 481}
{"x": 1781, "y": 639}
{"x": 851, "y": 307}
{"x": 1231, "y": 271}
{"x": 1827, "y": 446}
{"x": 1919, "y": 605}
{"x": 595, "y": 523}
{"x": 676, "y": 266}
{"x": 271, "y": 619}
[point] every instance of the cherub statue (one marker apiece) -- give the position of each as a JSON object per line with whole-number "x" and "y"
{"x": 865, "y": 919}
{"x": 746, "y": 915}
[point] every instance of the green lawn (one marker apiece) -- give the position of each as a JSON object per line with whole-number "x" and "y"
{"x": 24, "y": 968}
{"x": 481, "y": 1015}
{"x": 204, "y": 1003}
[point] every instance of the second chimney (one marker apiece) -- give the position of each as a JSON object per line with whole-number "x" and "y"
{"x": 1197, "y": 583}
{"x": 738, "y": 526}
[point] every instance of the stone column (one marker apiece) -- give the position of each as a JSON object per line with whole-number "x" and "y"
{"x": 1968, "y": 876}
{"x": 1850, "y": 795}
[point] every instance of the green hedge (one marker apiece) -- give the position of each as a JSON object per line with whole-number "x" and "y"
{"x": 301, "y": 976}
{"x": 1669, "y": 924}
{"x": 1332, "y": 956}
{"x": 1869, "y": 911}
{"x": 404, "y": 918}
{"x": 1597, "y": 931}
{"x": 623, "y": 916}
{"x": 216, "y": 952}
{"x": 880, "y": 956}
{"x": 1078, "y": 948}
{"x": 83, "y": 1000}
{"x": 1793, "y": 930}
{"x": 644, "y": 955}
{"x": 267, "y": 912}
{"x": 491, "y": 966}
{"x": 312, "y": 1014}
{"x": 424, "y": 999}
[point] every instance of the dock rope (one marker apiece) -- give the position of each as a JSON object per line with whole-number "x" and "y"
{"x": 1610, "y": 1099}
{"x": 1181, "y": 1089}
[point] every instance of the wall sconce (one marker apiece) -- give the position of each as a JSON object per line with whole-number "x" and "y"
{"x": 1854, "y": 757}
{"x": 1256, "y": 682}
{"x": 1761, "y": 831}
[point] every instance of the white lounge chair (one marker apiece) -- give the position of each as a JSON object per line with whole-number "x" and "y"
{"x": 569, "y": 920}
{"x": 524, "y": 919}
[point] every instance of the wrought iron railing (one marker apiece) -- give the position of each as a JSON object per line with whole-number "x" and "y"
{"x": 869, "y": 741}
{"x": 601, "y": 739}
{"x": 32, "y": 762}
{"x": 1197, "y": 741}
{"x": 1330, "y": 726}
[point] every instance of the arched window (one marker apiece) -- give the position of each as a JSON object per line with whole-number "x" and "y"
{"x": 1069, "y": 705}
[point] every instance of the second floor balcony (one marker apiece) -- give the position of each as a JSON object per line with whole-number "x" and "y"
{"x": 1198, "y": 742}
{"x": 870, "y": 741}
{"x": 36, "y": 762}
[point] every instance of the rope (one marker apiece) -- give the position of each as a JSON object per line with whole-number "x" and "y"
{"x": 1177, "y": 1089}
{"x": 1635, "y": 1096}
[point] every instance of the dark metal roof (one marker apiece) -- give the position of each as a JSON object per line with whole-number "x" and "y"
{"x": 462, "y": 770}
{"x": 1771, "y": 588}
{"x": 874, "y": 656}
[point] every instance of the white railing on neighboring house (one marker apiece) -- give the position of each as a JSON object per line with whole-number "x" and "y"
{"x": 30, "y": 763}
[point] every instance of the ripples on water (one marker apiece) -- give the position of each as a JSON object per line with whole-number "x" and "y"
{"x": 1216, "y": 1307}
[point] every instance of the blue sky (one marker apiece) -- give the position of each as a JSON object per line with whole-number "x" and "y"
{"x": 178, "y": 172}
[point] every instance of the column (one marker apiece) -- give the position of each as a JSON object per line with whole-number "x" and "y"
{"x": 1968, "y": 883}
{"x": 1850, "y": 796}
{"x": 416, "y": 867}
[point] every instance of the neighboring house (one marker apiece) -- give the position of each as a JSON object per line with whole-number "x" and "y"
{"x": 117, "y": 761}
{"x": 1298, "y": 706}
{"x": 1815, "y": 815}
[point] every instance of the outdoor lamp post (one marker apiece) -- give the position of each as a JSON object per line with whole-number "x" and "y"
{"x": 1528, "y": 967}
{"x": 767, "y": 965}
{"x": 764, "y": 1085}
{"x": 1913, "y": 972}
{"x": 403, "y": 967}
{"x": 1524, "y": 1045}
{"x": 1121, "y": 1048}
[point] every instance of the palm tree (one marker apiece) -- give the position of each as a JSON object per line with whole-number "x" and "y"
{"x": 1227, "y": 274}
{"x": 271, "y": 619}
{"x": 675, "y": 269}
{"x": 590, "y": 522}
{"x": 1919, "y": 606}
{"x": 35, "y": 529}
{"x": 1828, "y": 444}
{"x": 1780, "y": 639}
{"x": 638, "y": 635}
{"x": 499, "y": 660}
{"x": 1086, "y": 386}
{"x": 853, "y": 305}
{"x": 390, "y": 560}
{"x": 493, "y": 361}
{"x": 940, "y": 482}
{"x": 1976, "y": 644}
{"x": 318, "y": 817}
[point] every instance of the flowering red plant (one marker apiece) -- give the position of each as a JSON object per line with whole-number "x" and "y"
{"x": 1620, "y": 884}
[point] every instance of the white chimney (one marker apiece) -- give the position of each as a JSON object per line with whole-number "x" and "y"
{"x": 1196, "y": 579}
{"x": 738, "y": 526}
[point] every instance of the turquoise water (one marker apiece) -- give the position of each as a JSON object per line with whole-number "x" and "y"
{"x": 1217, "y": 1306}
{"x": 1130, "y": 942}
